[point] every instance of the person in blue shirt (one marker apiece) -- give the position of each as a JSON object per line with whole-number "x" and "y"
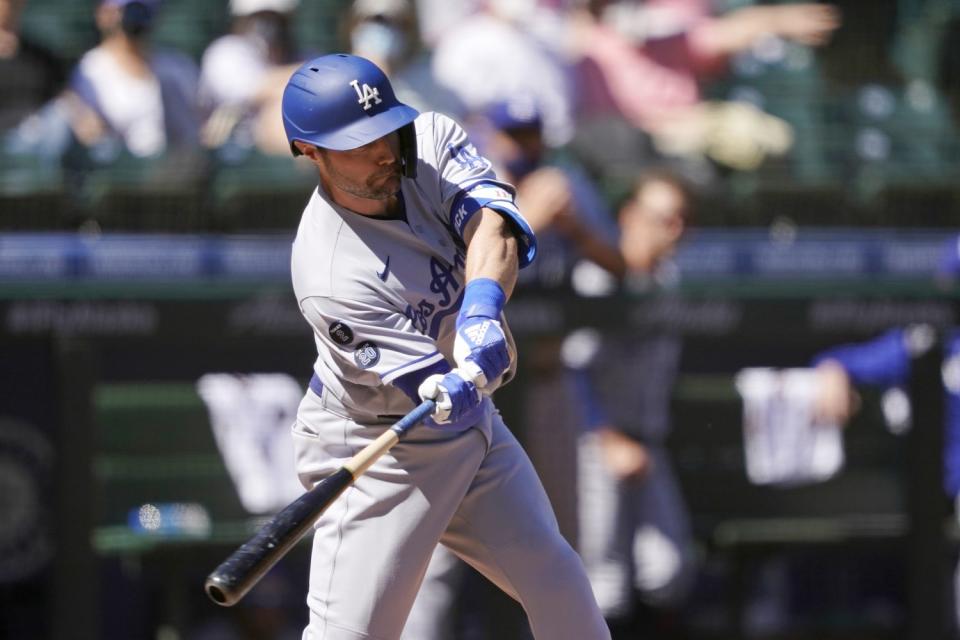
{"x": 885, "y": 362}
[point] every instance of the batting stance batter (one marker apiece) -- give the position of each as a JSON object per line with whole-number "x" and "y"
{"x": 405, "y": 255}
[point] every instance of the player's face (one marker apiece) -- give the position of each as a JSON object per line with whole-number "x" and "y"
{"x": 370, "y": 172}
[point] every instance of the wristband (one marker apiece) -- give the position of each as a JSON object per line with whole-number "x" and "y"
{"x": 483, "y": 297}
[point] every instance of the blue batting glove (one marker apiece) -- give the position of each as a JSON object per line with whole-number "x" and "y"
{"x": 480, "y": 347}
{"x": 454, "y": 394}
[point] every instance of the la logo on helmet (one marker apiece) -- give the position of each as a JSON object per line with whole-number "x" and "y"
{"x": 366, "y": 94}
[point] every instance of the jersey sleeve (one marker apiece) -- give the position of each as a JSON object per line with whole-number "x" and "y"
{"x": 883, "y": 361}
{"x": 468, "y": 183}
{"x": 371, "y": 346}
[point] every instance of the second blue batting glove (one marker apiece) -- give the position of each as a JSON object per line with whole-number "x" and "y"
{"x": 454, "y": 394}
{"x": 480, "y": 348}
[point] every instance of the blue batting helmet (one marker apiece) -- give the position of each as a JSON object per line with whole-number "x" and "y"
{"x": 341, "y": 102}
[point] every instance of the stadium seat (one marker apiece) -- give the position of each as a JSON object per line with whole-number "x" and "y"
{"x": 126, "y": 193}
{"x": 259, "y": 192}
{"x": 65, "y": 27}
{"x": 31, "y": 193}
{"x": 155, "y": 445}
{"x": 317, "y": 23}
{"x": 190, "y": 26}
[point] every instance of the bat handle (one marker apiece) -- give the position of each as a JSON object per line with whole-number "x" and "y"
{"x": 420, "y": 413}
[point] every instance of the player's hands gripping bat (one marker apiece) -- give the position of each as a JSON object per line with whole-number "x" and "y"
{"x": 243, "y": 569}
{"x": 454, "y": 393}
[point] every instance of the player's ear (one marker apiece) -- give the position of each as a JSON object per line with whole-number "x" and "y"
{"x": 307, "y": 149}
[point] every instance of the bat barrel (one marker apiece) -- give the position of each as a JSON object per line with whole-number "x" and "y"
{"x": 243, "y": 569}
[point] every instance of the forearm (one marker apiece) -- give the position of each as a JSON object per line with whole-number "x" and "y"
{"x": 492, "y": 250}
{"x": 808, "y": 23}
{"x": 594, "y": 248}
{"x": 881, "y": 361}
{"x": 733, "y": 32}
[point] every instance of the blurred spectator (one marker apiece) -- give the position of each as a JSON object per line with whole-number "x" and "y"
{"x": 30, "y": 74}
{"x": 385, "y": 31}
{"x": 571, "y": 222}
{"x": 886, "y": 362}
{"x": 634, "y": 532}
{"x": 436, "y": 17}
{"x": 645, "y": 61}
{"x": 493, "y": 56}
{"x": 639, "y": 73}
{"x": 564, "y": 209}
{"x": 243, "y": 74}
{"x": 126, "y": 91}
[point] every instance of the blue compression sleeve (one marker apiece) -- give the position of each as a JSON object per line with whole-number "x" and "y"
{"x": 483, "y": 297}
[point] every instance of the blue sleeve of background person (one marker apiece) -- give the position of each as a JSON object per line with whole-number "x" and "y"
{"x": 586, "y": 397}
{"x": 951, "y": 443}
{"x": 883, "y": 361}
{"x": 950, "y": 258}
{"x": 591, "y": 207}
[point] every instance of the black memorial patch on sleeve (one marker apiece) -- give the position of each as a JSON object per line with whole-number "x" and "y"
{"x": 341, "y": 333}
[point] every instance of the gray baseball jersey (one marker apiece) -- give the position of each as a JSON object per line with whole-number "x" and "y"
{"x": 384, "y": 298}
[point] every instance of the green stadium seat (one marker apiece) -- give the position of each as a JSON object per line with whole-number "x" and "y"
{"x": 317, "y": 23}
{"x": 127, "y": 193}
{"x": 31, "y": 193}
{"x": 65, "y": 27}
{"x": 189, "y": 26}
{"x": 261, "y": 192}
{"x": 154, "y": 445}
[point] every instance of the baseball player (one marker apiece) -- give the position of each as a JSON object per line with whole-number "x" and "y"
{"x": 405, "y": 256}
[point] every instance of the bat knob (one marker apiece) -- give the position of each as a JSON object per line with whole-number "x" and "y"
{"x": 220, "y": 592}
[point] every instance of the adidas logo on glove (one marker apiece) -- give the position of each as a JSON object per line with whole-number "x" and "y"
{"x": 477, "y": 332}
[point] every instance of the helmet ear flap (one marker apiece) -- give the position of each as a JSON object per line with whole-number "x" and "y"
{"x": 408, "y": 150}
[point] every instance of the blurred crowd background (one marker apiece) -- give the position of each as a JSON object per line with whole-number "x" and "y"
{"x": 740, "y": 373}
{"x": 167, "y": 120}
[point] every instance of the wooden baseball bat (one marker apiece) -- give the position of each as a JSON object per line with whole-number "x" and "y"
{"x": 243, "y": 569}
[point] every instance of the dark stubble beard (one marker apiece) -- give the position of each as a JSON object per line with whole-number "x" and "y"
{"x": 375, "y": 188}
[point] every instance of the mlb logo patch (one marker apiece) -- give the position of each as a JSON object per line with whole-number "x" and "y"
{"x": 366, "y": 355}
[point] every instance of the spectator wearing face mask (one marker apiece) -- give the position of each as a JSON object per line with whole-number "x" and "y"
{"x": 244, "y": 106}
{"x": 560, "y": 202}
{"x": 506, "y": 49}
{"x": 125, "y": 90}
{"x": 385, "y": 31}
